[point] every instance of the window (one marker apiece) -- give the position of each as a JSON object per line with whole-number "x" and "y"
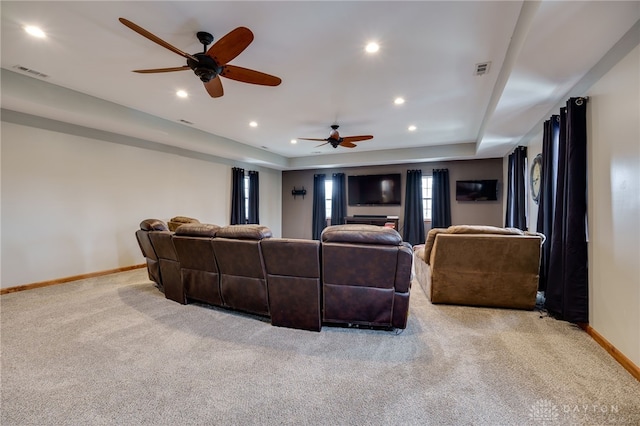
{"x": 328, "y": 193}
{"x": 426, "y": 196}
{"x": 246, "y": 199}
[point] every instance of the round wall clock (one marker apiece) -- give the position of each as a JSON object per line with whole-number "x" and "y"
{"x": 536, "y": 177}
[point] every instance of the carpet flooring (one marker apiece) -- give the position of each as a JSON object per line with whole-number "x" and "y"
{"x": 113, "y": 351}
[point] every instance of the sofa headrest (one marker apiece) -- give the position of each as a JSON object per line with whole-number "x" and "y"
{"x": 153, "y": 225}
{"x": 471, "y": 229}
{"x": 184, "y": 219}
{"x": 482, "y": 229}
{"x": 244, "y": 232}
{"x": 361, "y": 234}
{"x": 197, "y": 230}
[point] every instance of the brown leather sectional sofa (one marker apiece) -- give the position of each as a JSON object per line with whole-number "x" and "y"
{"x": 357, "y": 274}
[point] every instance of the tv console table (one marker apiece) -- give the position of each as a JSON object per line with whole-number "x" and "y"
{"x": 373, "y": 220}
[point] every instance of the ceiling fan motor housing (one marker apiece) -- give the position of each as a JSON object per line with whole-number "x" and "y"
{"x": 205, "y": 68}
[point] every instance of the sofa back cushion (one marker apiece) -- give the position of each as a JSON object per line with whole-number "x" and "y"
{"x": 293, "y": 282}
{"x": 242, "y": 274}
{"x": 291, "y": 257}
{"x": 163, "y": 244}
{"x": 199, "y": 268}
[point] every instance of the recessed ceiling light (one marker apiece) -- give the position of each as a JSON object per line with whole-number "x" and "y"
{"x": 412, "y": 128}
{"x": 35, "y": 31}
{"x": 253, "y": 124}
{"x": 182, "y": 94}
{"x": 294, "y": 141}
{"x": 398, "y": 101}
{"x": 372, "y": 47}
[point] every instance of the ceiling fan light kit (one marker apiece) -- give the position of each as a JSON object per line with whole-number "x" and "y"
{"x": 211, "y": 64}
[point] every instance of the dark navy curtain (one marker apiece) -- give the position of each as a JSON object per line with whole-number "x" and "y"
{"x": 237, "y": 196}
{"x": 567, "y": 293}
{"x": 338, "y": 199}
{"x": 253, "y": 215}
{"x": 413, "y": 214}
{"x": 319, "y": 221}
{"x": 516, "y": 216}
{"x": 546, "y": 201}
{"x": 441, "y": 199}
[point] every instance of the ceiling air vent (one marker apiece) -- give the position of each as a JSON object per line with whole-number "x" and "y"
{"x": 482, "y": 68}
{"x": 30, "y": 71}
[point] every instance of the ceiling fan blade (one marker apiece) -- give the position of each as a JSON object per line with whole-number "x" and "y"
{"x": 322, "y": 144}
{"x": 230, "y": 46}
{"x": 249, "y": 76}
{"x": 214, "y": 87}
{"x": 356, "y": 138}
{"x": 150, "y": 71}
{"x": 347, "y": 144}
{"x": 155, "y": 39}
{"x": 312, "y": 139}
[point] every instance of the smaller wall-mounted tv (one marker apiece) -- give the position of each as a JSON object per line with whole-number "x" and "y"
{"x": 373, "y": 190}
{"x": 477, "y": 190}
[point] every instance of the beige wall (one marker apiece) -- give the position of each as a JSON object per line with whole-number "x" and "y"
{"x": 71, "y": 204}
{"x": 297, "y": 212}
{"x": 613, "y": 140}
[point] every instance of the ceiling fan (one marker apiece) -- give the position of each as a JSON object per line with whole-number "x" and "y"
{"x": 334, "y": 139}
{"x": 212, "y": 63}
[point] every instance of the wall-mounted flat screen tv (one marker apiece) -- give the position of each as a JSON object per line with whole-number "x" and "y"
{"x": 477, "y": 190}
{"x": 373, "y": 190}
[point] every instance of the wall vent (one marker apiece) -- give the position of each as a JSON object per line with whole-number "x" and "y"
{"x": 30, "y": 71}
{"x": 482, "y": 68}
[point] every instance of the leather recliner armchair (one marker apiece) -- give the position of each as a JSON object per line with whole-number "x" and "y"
{"x": 366, "y": 276}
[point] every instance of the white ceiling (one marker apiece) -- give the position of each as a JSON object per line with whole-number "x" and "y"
{"x": 538, "y": 51}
